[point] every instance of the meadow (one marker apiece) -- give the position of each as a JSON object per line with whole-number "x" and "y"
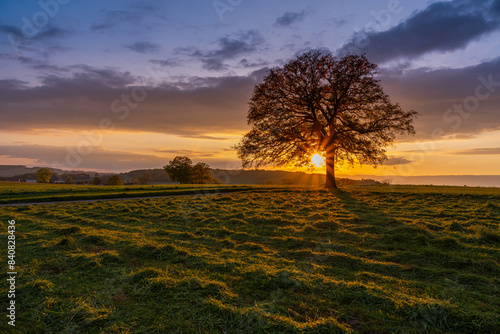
{"x": 21, "y": 192}
{"x": 389, "y": 259}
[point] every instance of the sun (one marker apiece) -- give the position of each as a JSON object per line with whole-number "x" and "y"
{"x": 318, "y": 160}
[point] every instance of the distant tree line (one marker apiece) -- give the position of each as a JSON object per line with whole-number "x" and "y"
{"x": 182, "y": 170}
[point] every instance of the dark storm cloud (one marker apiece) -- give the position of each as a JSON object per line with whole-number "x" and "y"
{"x": 442, "y": 26}
{"x": 453, "y": 102}
{"x": 195, "y": 108}
{"x": 144, "y": 47}
{"x": 290, "y": 18}
{"x": 230, "y": 47}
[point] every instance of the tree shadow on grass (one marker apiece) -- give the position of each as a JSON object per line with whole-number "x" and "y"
{"x": 380, "y": 236}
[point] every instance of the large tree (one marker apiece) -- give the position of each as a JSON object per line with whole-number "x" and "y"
{"x": 318, "y": 104}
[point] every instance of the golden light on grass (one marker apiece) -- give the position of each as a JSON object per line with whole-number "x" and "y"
{"x": 318, "y": 160}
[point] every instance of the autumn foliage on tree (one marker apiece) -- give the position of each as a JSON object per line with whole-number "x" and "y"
{"x": 318, "y": 104}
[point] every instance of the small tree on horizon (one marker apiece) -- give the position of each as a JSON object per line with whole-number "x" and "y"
{"x": 180, "y": 169}
{"x": 115, "y": 180}
{"x": 43, "y": 175}
{"x": 201, "y": 174}
{"x": 318, "y": 104}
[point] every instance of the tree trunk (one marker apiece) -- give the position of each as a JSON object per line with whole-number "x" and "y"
{"x": 330, "y": 172}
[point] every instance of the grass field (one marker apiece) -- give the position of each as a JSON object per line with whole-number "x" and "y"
{"x": 394, "y": 259}
{"x": 20, "y": 192}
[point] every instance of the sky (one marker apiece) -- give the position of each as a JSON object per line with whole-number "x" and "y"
{"x": 121, "y": 85}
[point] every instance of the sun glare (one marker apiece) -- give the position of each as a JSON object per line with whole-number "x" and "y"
{"x": 318, "y": 160}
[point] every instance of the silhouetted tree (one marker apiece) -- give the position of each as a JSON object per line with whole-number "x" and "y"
{"x": 43, "y": 175}
{"x": 115, "y": 180}
{"x": 320, "y": 104}
{"x": 180, "y": 169}
{"x": 201, "y": 174}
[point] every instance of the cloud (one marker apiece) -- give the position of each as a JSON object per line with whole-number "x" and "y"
{"x": 441, "y": 27}
{"x": 44, "y": 33}
{"x": 135, "y": 14}
{"x": 243, "y": 43}
{"x": 165, "y": 62}
{"x": 8, "y": 29}
{"x": 113, "y": 18}
{"x": 144, "y": 47}
{"x": 458, "y": 102}
{"x": 249, "y": 64}
{"x": 192, "y": 153}
{"x": 339, "y": 22}
{"x": 51, "y": 32}
{"x": 478, "y": 151}
{"x": 97, "y": 159}
{"x": 38, "y": 46}
{"x": 13, "y": 84}
{"x": 392, "y": 161}
{"x": 290, "y": 18}
{"x": 204, "y": 108}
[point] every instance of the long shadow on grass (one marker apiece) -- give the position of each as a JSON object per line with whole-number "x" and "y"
{"x": 384, "y": 238}
{"x": 424, "y": 254}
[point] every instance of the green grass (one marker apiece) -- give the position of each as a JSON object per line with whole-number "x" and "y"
{"x": 392, "y": 259}
{"x": 19, "y": 192}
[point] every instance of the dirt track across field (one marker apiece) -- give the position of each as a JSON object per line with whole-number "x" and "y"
{"x": 114, "y": 199}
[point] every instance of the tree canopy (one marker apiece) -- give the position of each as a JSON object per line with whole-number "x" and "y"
{"x": 43, "y": 175}
{"x": 318, "y": 104}
{"x": 96, "y": 181}
{"x": 181, "y": 170}
{"x": 202, "y": 174}
{"x": 115, "y": 180}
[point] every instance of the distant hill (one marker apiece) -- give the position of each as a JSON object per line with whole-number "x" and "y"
{"x": 257, "y": 176}
{"x": 9, "y": 171}
{"x": 157, "y": 175}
